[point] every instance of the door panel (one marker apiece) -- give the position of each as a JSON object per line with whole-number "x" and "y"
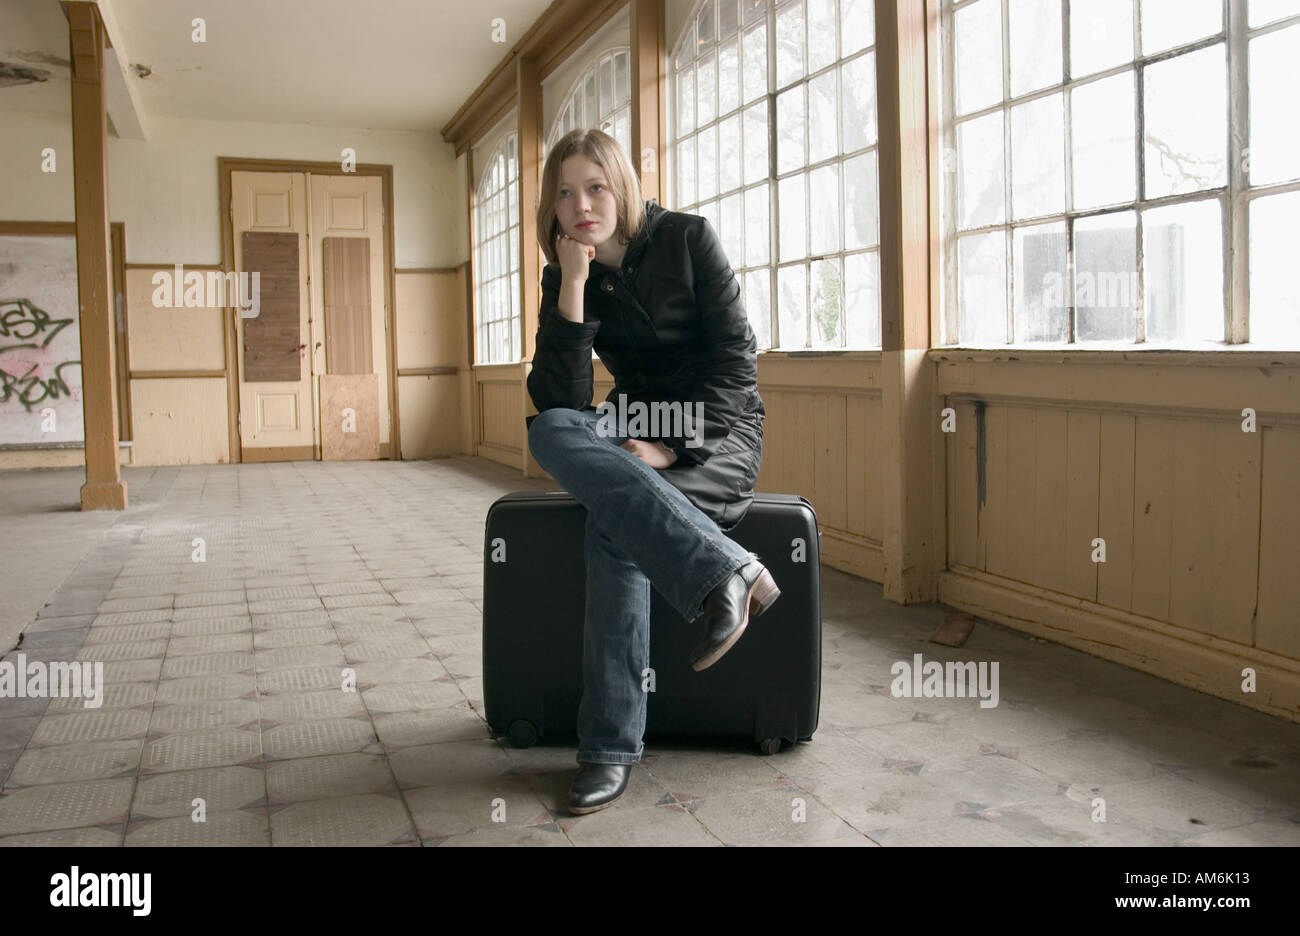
{"x": 352, "y": 287}
{"x": 277, "y": 408}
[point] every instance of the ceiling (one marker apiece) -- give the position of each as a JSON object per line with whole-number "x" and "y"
{"x": 367, "y": 64}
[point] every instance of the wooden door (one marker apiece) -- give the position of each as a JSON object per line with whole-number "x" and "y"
{"x": 277, "y": 406}
{"x": 349, "y": 260}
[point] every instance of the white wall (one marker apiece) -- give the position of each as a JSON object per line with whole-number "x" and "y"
{"x": 166, "y": 188}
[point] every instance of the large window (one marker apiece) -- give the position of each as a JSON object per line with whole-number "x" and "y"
{"x": 774, "y": 141}
{"x": 1120, "y": 172}
{"x": 601, "y": 99}
{"x": 496, "y": 255}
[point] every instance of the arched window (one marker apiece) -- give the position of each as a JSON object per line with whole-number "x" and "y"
{"x": 795, "y": 203}
{"x": 496, "y": 255}
{"x": 600, "y": 99}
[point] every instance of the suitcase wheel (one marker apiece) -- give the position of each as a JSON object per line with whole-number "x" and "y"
{"x": 770, "y": 746}
{"x": 522, "y": 733}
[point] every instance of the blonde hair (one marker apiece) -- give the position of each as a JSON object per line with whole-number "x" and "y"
{"x": 604, "y": 151}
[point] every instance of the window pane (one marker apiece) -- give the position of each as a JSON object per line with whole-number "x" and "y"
{"x": 1035, "y": 45}
{"x": 857, "y": 25}
{"x": 732, "y": 214}
{"x": 706, "y": 154}
{"x": 1101, "y": 35}
{"x": 622, "y": 79}
{"x": 827, "y": 330}
{"x": 756, "y": 154}
{"x": 978, "y": 32}
{"x": 686, "y": 172}
{"x": 607, "y": 86}
{"x": 860, "y": 202}
{"x": 980, "y": 183}
{"x": 752, "y": 9}
{"x": 794, "y": 218}
{"x": 1105, "y": 277}
{"x": 862, "y": 300}
{"x": 758, "y": 228}
{"x": 623, "y": 131}
{"x": 728, "y": 77}
{"x": 1186, "y": 113}
{"x": 1037, "y": 161}
{"x": 1040, "y": 278}
{"x": 685, "y": 101}
{"x": 1266, "y": 11}
{"x": 824, "y": 201}
{"x": 709, "y": 210}
{"x": 589, "y": 104}
{"x": 791, "y": 128}
{"x": 689, "y": 44}
{"x": 728, "y": 17}
{"x": 755, "y": 63}
{"x": 705, "y": 24}
{"x": 858, "y": 86}
{"x": 1274, "y": 297}
{"x": 823, "y": 107}
{"x": 729, "y": 154}
{"x": 821, "y": 34}
{"x": 1102, "y": 137}
{"x": 706, "y": 83}
{"x": 789, "y": 43}
{"x": 792, "y": 284}
{"x": 1274, "y": 137}
{"x": 1169, "y": 23}
{"x": 1182, "y": 255}
{"x": 758, "y": 306}
{"x": 982, "y": 289}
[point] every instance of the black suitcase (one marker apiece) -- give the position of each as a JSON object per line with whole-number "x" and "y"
{"x": 768, "y": 687}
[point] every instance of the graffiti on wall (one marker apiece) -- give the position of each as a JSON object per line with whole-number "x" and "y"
{"x": 26, "y": 373}
{"x": 40, "y": 341}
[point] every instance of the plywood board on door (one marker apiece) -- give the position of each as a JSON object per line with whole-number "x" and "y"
{"x": 349, "y": 410}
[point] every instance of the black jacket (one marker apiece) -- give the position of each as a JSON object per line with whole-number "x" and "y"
{"x": 670, "y": 326}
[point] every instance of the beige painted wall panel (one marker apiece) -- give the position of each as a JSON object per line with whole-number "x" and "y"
{"x": 179, "y": 421}
{"x": 856, "y": 443}
{"x": 1083, "y": 431}
{"x": 1022, "y": 516}
{"x": 875, "y": 474}
{"x": 961, "y": 519}
{"x": 170, "y": 338}
{"x": 1153, "y": 508}
{"x": 1278, "y": 626}
{"x": 420, "y": 332}
{"x": 804, "y": 456}
{"x": 503, "y": 415}
{"x": 431, "y": 414}
{"x": 1115, "y": 576}
{"x": 1191, "y": 545}
{"x": 1234, "y": 515}
{"x": 992, "y": 516}
{"x": 1050, "y": 534}
{"x": 840, "y": 470}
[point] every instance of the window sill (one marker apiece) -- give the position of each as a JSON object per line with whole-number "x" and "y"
{"x": 1219, "y": 356}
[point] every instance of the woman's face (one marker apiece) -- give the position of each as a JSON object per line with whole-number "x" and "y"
{"x": 584, "y": 196}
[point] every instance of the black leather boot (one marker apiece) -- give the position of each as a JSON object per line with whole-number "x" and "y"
{"x": 596, "y": 786}
{"x": 747, "y": 593}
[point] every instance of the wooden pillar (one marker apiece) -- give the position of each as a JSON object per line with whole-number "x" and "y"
{"x": 528, "y": 89}
{"x": 912, "y": 550}
{"x": 104, "y": 489}
{"x": 649, "y": 94}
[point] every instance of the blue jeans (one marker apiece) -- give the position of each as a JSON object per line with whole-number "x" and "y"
{"x": 641, "y": 531}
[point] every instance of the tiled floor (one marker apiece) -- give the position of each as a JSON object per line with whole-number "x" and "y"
{"x": 223, "y": 696}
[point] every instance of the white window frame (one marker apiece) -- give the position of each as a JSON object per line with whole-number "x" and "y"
{"x": 496, "y": 255}
{"x": 1234, "y": 197}
{"x": 773, "y": 179}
